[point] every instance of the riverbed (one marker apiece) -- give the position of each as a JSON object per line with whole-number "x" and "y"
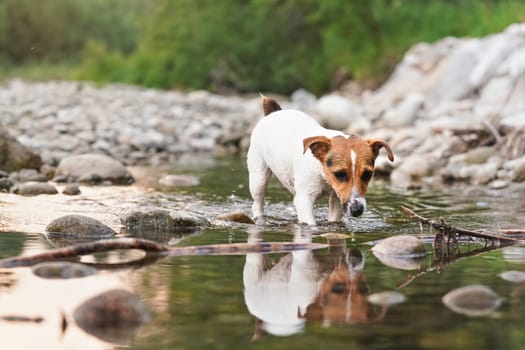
{"x": 274, "y": 301}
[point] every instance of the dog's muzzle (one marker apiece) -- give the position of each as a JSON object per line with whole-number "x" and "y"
{"x": 356, "y": 205}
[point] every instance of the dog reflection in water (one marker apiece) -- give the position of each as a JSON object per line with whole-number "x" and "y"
{"x": 326, "y": 286}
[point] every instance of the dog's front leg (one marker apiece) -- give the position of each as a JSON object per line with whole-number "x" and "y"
{"x": 304, "y": 207}
{"x": 335, "y": 209}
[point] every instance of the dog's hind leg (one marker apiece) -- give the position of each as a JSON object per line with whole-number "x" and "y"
{"x": 259, "y": 175}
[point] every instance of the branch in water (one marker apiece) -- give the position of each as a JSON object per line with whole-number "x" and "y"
{"x": 156, "y": 249}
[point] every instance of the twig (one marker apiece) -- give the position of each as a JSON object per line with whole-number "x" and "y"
{"x": 153, "y": 248}
{"x": 443, "y": 226}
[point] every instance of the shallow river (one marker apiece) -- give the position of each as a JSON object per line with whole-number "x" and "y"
{"x": 301, "y": 300}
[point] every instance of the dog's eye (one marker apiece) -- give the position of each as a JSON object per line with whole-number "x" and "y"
{"x": 366, "y": 176}
{"x": 341, "y": 175}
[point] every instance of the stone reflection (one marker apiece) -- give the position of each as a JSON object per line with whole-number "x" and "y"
{"x": 327, "y": 286}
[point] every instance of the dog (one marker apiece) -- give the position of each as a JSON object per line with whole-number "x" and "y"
{"x": 310, "y": 161}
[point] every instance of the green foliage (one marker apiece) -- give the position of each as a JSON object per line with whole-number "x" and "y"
{"x": 241, "y": 45}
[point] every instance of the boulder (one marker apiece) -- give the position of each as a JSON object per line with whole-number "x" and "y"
{"x": 14, "y": 155}
{"x": 335, "y": 112}
{"x": 94, "y": 168}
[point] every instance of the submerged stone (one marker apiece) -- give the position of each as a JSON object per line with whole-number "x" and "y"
{"x": 474, "y": 300}
{"x": 162, "y": 221}
{"x": 239, "y": 217}
{"x": 513, "y": 276}
{"x": 113, "y": 316}
{"x": 386, "y": 298}
{"x": 179, "y": 181}
{"x": 62, "y": 270}
{"x": 80, "y": 226}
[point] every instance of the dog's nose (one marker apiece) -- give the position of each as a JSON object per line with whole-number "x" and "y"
{"x": 356, "y": 208}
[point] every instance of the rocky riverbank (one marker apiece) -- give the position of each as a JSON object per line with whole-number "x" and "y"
{"x": 453, "y": 110}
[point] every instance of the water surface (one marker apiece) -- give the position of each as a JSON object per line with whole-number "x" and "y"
{"x": 301, "y": 300}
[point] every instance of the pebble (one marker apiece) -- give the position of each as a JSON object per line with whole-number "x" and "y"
{"x": 34, "y": 189}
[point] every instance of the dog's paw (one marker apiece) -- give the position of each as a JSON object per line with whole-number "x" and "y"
{"x": 259, "y": 221}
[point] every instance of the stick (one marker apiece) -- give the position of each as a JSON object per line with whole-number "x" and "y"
{"x": 156, "y": 249}
{"x": 441, "y": 225}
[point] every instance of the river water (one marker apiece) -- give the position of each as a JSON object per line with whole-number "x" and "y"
{"x": 300, "y": 300}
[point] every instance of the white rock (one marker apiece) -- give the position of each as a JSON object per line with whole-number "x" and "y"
{"x": 335, "y": 112}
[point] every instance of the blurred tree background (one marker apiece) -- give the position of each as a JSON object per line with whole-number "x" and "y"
{"x": 231, "y": 45}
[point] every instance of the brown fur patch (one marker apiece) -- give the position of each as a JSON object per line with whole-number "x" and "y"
{"x": 269, "y": 105}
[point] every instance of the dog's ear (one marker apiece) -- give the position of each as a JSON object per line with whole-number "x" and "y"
{"x": 319, "y": 145}
{"x": 376, "y": 144}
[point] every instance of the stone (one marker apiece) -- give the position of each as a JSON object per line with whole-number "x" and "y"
{"x": 303, "y": 100}
{"x": 6, "y": 184}
{"x": 14, "y": 155}
{"x": 113, "y": 316}
{"x": 94, "y": 168}
{"x": 513, "y": 276}
{"x": 179, "y": 181}
{"x": 406, "y": 112}
{"x": 34, "y": 189}
{"x": 79, "y": 226}
{"x": 473, "y": 300}
{"x": 516, "y": 169}
{"x": 62, "y": 270}
{"x": 71, "y": 190}
{"x": 163, "y": 221}
{"x": 335, "y": 112}
{"x": 400, "y": 245}
{"x": 239, "y": 217}
{"x": 28, "y": 175}
{"x": 386, "y": 298}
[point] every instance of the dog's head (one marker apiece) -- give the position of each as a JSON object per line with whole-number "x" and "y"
{"x": 348, "y": 165}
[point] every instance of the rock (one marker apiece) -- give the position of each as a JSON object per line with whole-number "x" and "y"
{"x": 156, "y": 220}
{"x": 6, "y": 184}
{"x": 159, "y": 221}
{"x": 79, "y": 226}
{"x": 400, "y": 245}
{"x": 474, "y": 300}
{"x": 62, "y": 270}
{"x": 48, "y": 171}
{"x": 335, "y": 112}
{"x": 406, "y": 113}
{"x": 239, "y": 217}
{"x": 179, "y": 181}
{"x": 498, "y": 184}
{"x": 94, "y": 168}
{"x": 113, "y": 316}
{"x": 303, "y": 100}
{"x": 400, "y": 262}
{"x": 27, "y": 175}
{"x": 71, "y": 190}
{"x": 386, "y": 298}
{"x": 34, "y": 189}
{"x": 14, "y": 155}
{"x": 513, "y": 276}
{"x": 516, "y": 169}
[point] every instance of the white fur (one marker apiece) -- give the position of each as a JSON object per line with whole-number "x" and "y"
{"x": 276, "y": 148}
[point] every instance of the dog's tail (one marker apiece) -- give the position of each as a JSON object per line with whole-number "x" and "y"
{"x": 269, "y": 105}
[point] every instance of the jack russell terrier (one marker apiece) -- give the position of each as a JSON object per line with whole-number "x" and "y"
{"x": 310, "y": 161}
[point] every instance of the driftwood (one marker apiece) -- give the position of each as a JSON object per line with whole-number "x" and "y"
{"x": 451, "y": 232}
{"x": 446, "y": 247}
{"x": 154, "y": 249}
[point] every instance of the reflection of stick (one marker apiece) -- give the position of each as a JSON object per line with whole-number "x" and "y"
{"x": 157, "y": 249}
{"x": 14, "y": 318}
{"x": 443, "y": 226}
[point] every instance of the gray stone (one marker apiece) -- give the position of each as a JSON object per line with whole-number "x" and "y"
{"x": 6, "y": 184}
{"x": 94, "y": 168}
{"x": 163, "y": 221}
{"x": 27, "y": 175}
{"x": 79, "y": 226}
{"x": 14, "y": 155}
{"x": 516, "y": 169}
{"x": 400, "y": 245}
{"x": 34, "y": 189}
{"x": 335, "y": 112}
{"x": 71, "y": 190}
{"x": 406, "y": 112}
{"x": 473, "y": 300}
